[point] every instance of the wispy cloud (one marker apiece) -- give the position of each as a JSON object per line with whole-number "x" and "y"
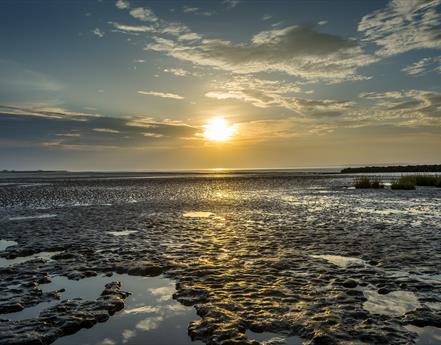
{"x": 71, "y": 135}
{"x": 133, "y": 28}
{"x": 122, "y": 5}
{"x": 424, "y": 66}
{"x": 403, "y": 26}
{"x": 160, "y": 94}
{"x": 15, "y": 78}
{"x": 297, "y": 51}
{"x": 47, "y": 112}
{"x": 105, "y": 130}
{"x": 152, "y": 135}
{"x": 180, "y": 72}
{"x": 196, "y": 11}
{"x": 188, "y": 9}
{"x": 415, "y": 104}
{"x": 96, "y": 133}
{"x": 143, "y": 14}
{"x": 231, "y": 3}
{"x": 98, "y": 32}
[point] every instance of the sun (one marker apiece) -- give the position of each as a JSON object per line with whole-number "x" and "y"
{"x": 218, "y": 129}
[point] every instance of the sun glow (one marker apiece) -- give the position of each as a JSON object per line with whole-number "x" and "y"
{"x": 218, "y": 129}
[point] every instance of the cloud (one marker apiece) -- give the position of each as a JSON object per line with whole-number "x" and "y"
{"x": 92, "y": 133}
{"x": 47, "y": 112}
{"x": 128, "y": 334}
{"x": 122, "y": 5}
{"x": 147, "y": 309}
{"x": 190, "y": 36}
{"x": 403, "y": 25}
{"x": 174, "y": 29}
{"x": 231, "y": 3}
{"x": 297, "y": 51}
{"x": 98, "y": 32}
{"x": 188, "y": 9}
{"x": 196, "y": 11}
{"x": 413, "y": 106}
{"x": 133, "y": 28}
{"x": 149, "y": 323}
{"x": 424, "y": 66}
{"x": 160, "y": 94}
{"x": 267, "y": 93}
{"x": 179, "y": 72}
{"x": 152, "y": 135}
{"x": 105, "y": 130}
{"x": 143, "y": 14}
{"x": 16, "y": 78}
{"x": 72, "y": 135}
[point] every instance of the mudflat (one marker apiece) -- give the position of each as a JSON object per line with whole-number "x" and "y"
{"x": 219, "y": 259}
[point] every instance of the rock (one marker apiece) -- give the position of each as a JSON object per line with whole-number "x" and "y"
{"x": 11, "y": 308}
{"x": 145, "y": 270}
{"x": 64, "y": 255}
{"x": 383, "y": 291}
{"x": 350, "y": 283}
{"x": 44, "y": 280}
{"x": 323, "y": 339}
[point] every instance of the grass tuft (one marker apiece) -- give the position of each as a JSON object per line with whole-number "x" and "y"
{"x": 410, "y": 181}
{"x": 366, "y": 182}
{"x": 407, "y": 185}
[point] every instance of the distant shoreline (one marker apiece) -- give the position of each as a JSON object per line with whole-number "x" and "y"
{"x": 393, "y": 169}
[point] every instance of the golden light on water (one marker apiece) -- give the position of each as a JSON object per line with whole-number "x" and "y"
{"x": 218, "y": 129}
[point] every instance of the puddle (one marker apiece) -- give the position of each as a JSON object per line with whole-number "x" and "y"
{"x": 40, "y": 216}
{"x": 5, "y": 244}
{"x": 196, "y": 214}
{"x": 122, "y": 233}
{"x": 433, "y": 305}
{"x": 395, "y": 303}
{"x": 87, "y": 288}
{"x": 42, "y": 255}
{"x": 29, "y": 313}
{"x": 341, "y": 261}
{"x": 268, "y": 338}
{"x": 426, "y": 278}
{"x": 150, "y": 315}
{"x": 426, "y": 335}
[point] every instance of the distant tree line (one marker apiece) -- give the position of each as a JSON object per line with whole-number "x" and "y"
{"x": 394, "y": 168}
{"x": 31, "y": 171}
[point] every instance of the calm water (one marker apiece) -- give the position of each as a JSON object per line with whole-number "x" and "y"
{"x": 150, "y": 314}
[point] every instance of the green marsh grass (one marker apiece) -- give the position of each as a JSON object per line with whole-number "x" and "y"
{"x": 364, "y": 182}
{"x": 410, "y": 181}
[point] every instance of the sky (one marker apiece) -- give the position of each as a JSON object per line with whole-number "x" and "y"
{"x": 137, "y": 85}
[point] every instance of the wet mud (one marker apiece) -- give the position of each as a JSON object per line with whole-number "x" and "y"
{"x": 298, "y": 257}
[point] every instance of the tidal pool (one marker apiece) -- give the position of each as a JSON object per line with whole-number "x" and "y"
{"x": 150, "y": 315}
{"x": 426, "y": 335}
{"x": 18, "y": 260}
{"x": 39, "y": 216}
{"x": 341, "y": 261}
{"x": 197, "y": 214}
{"x": 268, "y": 338}
{"x": 122, "y": 233}
{"x": 5, "y": 244}
{"x": 395, "y": 303}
